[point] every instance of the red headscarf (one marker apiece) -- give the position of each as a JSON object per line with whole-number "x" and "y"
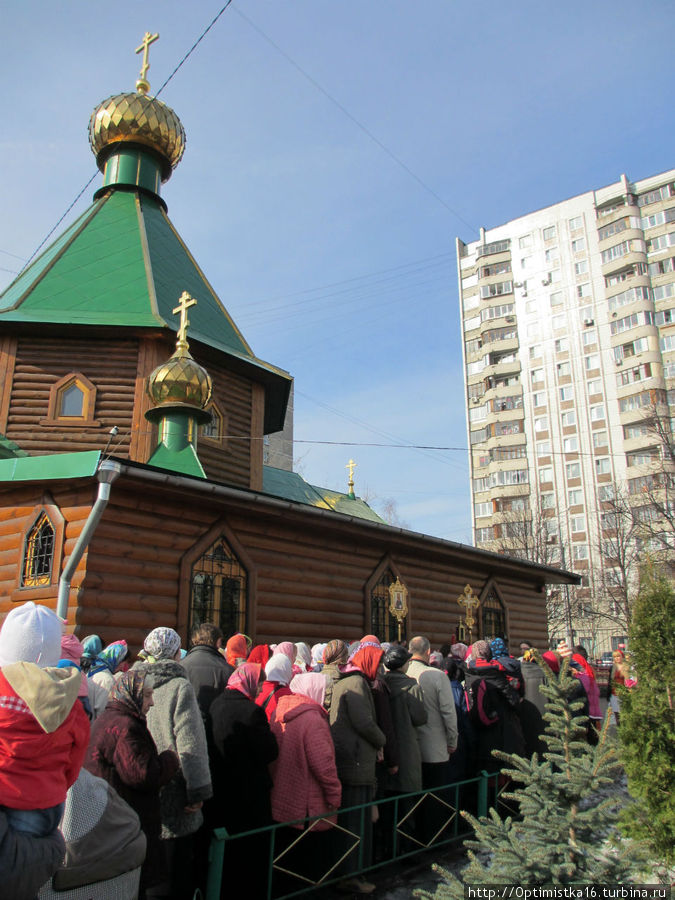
{"x": 370, "y": 639}
{"x": 368, "y": 659}
{"x": 585, "y": 665}
{"x": 259, "y": 654}
{"x": 245, "y": 679}
{"x": 552, "y": 661}
{"x": 236, "y": 648}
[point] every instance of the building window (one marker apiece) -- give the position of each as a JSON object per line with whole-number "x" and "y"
{"x": 575, "y": 497}
{"x": 597, "y": 413}
{"x": 581, "y": 268}
{"x": 580, "y": 551}
{"x": 579, "y": 245}
{"x": 547, "y": 500}
{"x": 592, "y": 362}
{"x": 38, "y": 557}
{"x": 578, "y": 524}
{"x": 545, "y": 475}
{"x": 599, "y": 439}
{"x": 543, "y": 448}
{"x": 215, "y": 429}
{"x": 570, "y": 444}
{"x": 602, "y": 466}
{"x": 568, "y": 418}
{"x": 562, "y": 345}
{"x": 549, "y": 233}
{"x": 573, "y": 470}
{"x": 71, "y": 401}
{"x": 559, "y": 322}
{"x": 541, "y": 423}
{"x": 556, "y": 298}
{"x": 484, "y": 509}
{"x": 564, "y": 370}
{"x": 576, "y": 223}
{"x": 605, "y": 492}
{"x": 219, "y": 590}
{"x": 566, "y": 393}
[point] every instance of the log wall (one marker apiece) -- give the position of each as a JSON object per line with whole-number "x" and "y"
{"x": 308, "y": 573}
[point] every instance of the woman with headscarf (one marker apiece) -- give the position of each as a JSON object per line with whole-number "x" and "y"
{"x": 236, "y": 650}
{"x": 278, "y": 674}
{"x": 334, "y": 657}
{"x": 317, "y": 657}
{"x": 242, "y": 747}
{"x": 303, "y": 658}
{"x": 359, "y": 742}
{"x": 108, "y": 661}
{"x": 122, "y": 751}
{"x": 288, "y": 649}
{"x": 91, "y": 647}
{"x": 260, "y": 654}
{"x": 176, "y": 723}
{"x": 305, "y": 777}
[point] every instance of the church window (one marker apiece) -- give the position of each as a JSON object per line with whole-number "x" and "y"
{"x": 71, "y": 401}
{"x": 219, "y": 590}
{"x": 493, "y": 619}
{"x": 39, "y": 553}
{"x": 382, "y": 624}
{"x": 215, "y": 429}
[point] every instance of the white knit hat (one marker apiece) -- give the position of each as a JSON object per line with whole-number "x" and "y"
{"x": 31, "y": 633}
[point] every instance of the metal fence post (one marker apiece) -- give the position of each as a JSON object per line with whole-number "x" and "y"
{"x": 216, "y": 860}
{"x": 483, "y": 794}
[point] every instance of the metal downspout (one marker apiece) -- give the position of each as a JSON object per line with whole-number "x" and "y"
{"x": 106, "y": 473}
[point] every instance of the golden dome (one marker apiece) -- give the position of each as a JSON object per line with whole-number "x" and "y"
{"x": 180, "y": 380}
{"x": 140, "y": 119}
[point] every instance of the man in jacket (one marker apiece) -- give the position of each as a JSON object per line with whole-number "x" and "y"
{"x": 206, "y": 668}
{"x": 437, "y": 737}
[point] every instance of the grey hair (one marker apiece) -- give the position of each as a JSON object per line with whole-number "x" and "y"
{"x": 420, "y": 645}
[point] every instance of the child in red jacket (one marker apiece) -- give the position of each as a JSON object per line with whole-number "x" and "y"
{"x": 44, "y": 732}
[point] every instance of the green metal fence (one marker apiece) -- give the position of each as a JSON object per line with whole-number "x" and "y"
{"x": 408, "y": 825}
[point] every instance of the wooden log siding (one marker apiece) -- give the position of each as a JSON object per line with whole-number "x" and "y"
{"x": 41, "y": 362}
{"x": 309, "y": 572}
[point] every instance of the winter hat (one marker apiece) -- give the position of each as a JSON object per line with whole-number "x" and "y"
{"x": 161, "y": 643}
{"x": 563, "y": 649}
{"x": 31, "y": 633}
{"x": 395, "y": 657}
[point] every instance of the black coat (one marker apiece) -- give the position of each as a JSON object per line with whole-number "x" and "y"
{"x": 242, "y": 746}
{"x": 208, "y": 673}
{"x": 506, "y": 733}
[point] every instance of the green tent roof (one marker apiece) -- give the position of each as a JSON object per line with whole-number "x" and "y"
{"x": 123, "y": 264}
{"x": 291, "y": 486}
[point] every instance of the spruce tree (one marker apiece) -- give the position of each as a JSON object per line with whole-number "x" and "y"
{"x": 561, "y": 835}
{"x": 647, "y": 721}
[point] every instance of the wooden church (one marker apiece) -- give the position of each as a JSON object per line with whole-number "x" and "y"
{"x": 133, "y": 416}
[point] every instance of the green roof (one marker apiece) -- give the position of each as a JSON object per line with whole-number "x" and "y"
{"x": 293, "y": 487}
{"x": 50, "y": 467}
{"x": 10, "y": 450}
{"x": 123, "y": 264}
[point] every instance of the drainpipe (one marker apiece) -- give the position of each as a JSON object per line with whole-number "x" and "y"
{"x": 106, "y": 473}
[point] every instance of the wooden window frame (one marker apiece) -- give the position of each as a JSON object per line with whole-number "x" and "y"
{"x": 493, "y": 587}
{"x": 22, "y": 593}
{"x": 385, "y": 563}
{"x": 217, "y": 412}
{"x": 88, "y": 402}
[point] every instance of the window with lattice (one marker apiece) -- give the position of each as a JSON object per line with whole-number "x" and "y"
{"x": 382, "y": 624}
{"x": 38, "y": 557}
{"x": 492, "y": 617}
{"x": 219, "y": 590}
{"x": 215, "y": 429}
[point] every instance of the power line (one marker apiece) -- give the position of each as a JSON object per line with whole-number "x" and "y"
{"x": 366, "y": 131}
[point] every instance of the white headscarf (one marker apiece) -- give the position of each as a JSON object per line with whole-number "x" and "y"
{"x": 278, "y": 668}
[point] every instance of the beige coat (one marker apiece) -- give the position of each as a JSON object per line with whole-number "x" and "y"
{"x": 440, "y": 730}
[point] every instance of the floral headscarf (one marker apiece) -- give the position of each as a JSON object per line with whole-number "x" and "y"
{"x": 128, "y": 689}
{"x": 498, "y": 648}
{"x": 481, "y": 650}
{"x": 311, "y": 684}
{"x": 245, "y": 679}
{"x": 236, "y": 649}
{"x": 279, "y": 669}
{"x": 368, "y": 659}
{"x": 109, "y": 658}
{"x": 335, "y": 652}
{"x": 161, "y": 643}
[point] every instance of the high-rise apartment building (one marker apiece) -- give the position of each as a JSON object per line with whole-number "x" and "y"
{"x": 568, "y": 318}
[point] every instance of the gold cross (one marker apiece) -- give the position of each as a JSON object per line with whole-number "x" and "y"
{"x": 148, "y": 39}
{"x": 351, "y": 465}
{"x": 470, "y": 602}
{"x": 185, "y": 302}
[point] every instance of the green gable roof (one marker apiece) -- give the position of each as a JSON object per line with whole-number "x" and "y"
{"x": 293, "y": 487}
{"x": 123, "y": 264}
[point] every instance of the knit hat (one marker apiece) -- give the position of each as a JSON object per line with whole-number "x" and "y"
{"x": 31, "y": 633}
{"x": 161, "y": 643}
{"x": 563, "y": 649}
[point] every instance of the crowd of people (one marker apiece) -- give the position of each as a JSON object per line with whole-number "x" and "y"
{"x": 127, "y": 765}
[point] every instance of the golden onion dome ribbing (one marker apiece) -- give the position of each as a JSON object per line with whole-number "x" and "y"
{"x": 139, "y": 119}
{"x": 180, "y": 380}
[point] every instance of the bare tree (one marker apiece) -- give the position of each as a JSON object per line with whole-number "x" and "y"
{"x": 620, "y": 547}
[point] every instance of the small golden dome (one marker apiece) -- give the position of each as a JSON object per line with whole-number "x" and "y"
{"x": 180, "y": 380}
{"x": 140, "y": 119}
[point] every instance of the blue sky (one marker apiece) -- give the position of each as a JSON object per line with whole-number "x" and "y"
{"x": 334, "y": 152}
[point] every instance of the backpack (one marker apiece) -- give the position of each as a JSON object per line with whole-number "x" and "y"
{"x": 482, "y": 709}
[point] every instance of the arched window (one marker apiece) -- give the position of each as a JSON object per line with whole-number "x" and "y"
{"x": 492, "y": 616}
{"x": 218, "y": 590}
{"x": 71, "y": 401}
{"x": 382, "y": 623}
{"x": 38, "y": 557}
